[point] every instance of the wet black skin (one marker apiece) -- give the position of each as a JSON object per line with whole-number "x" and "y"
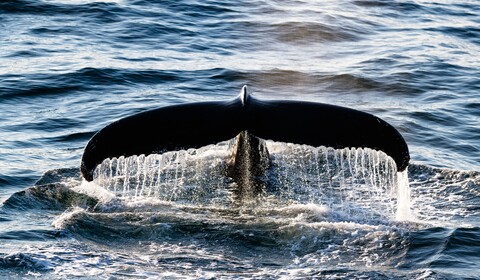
{"x": 249, "y": 119}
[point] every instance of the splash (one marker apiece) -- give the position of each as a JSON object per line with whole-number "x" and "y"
{"x": 404, "y": 212}
{"x": 356, "y": 182}
{"x": 360, "y": 183}
{"x": 195, "y": 175}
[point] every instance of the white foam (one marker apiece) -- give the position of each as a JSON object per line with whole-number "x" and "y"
{"x": 62, "y": 220}
{"x": 404, "y": 212}
{"x": 319, "y": 211}
{"x": 361, "y": 184}
{"x": 94, "y": 190}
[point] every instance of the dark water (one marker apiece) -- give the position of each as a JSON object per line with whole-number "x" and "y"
{"x": 68, "y": 68}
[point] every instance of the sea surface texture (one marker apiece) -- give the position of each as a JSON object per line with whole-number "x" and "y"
{"x": 70, "y": 67}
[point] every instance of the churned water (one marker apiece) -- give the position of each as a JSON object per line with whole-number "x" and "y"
{"x": 70, "y": 67}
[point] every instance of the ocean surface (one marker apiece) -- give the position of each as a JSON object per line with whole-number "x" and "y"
{"x": 70, "y": 67}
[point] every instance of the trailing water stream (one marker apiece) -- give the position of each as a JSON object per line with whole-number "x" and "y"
{"x": 69, "y": 68}
{"x": 359, "y": 182}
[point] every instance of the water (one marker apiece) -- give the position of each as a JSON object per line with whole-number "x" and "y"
{"x": 68, "y": 68}
{"x": 346, "y": 180}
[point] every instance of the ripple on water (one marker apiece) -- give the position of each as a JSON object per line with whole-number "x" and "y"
{"x": 70, "y": 67}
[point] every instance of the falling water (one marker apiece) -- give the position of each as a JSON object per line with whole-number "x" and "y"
{"x": 190, "y": 176}
{"x": 359, "y": 183}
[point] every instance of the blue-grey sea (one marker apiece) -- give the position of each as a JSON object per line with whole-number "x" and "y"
{"x": 70, "y": 67}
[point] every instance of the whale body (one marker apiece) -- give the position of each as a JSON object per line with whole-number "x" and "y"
{"x": 250, "y": 121}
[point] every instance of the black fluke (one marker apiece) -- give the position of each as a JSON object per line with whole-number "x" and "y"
{"x": 195, "y": 125}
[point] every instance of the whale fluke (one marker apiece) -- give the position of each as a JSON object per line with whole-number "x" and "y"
{"x": 195, "y": 125}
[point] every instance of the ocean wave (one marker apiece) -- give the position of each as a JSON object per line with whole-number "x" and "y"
{"x": 313, "y": 234}
{"x": 24, "y": 261}
{"x": 82, "y": 80}
{"x": 311, "y": 32}
{"x": 56, "y": 197}
{"x": 104, "y": 12}
{"x": 70, "y": 67}
{"x": 403, "y": 6}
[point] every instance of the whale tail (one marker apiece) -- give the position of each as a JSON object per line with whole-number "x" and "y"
{"x": 250, "y": 120}
{"x": 248, "y": 163}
